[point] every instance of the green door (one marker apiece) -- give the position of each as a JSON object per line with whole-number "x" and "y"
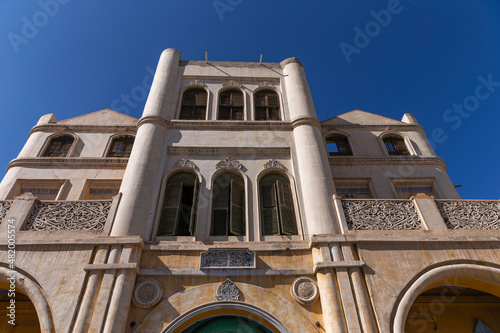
{"x": 227, "y": 324}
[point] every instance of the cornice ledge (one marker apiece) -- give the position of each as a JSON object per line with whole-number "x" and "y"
{"x": 82, "y": 128}
{"x": 107, "y": 162}
{"x": 306, "y": 120}
{"x": 384, "y": 160}
{"x": 378, "y": 127}
{"x": 153, "y": 120}
{"x": 231, "y": 125}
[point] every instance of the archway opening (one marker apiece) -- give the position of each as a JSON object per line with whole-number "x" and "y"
{"x": 22, "y": 314}
{"x": 227, "y": 324}
{"x": 454, "y": 309}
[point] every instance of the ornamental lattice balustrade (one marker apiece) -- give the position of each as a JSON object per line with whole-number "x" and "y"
{"x": 4, "y": 207}
{"x": 380, "y": 214}
{"x": 470, "y": 214}
{"x": 68, "y": 215}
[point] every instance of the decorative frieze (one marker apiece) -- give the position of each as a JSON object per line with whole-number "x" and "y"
{"x": 232, "y": 83}
{"x": 273, "y": 164}
{"x": 266, "y": 84}
{"x": 196, "y": 83}
{"x": 304, "y": 290}
{"x": 185, "y": 163}
{"x": 4, "y": 207}
{"x": 227, "y": 291}
{"x": 147, "y": 293}
{"x": 227, "y": 258}
{"x": 470, "y": 214}
{"x": 229, "y": 163}
{"x": 380, "y": 215}
{"x": 68, "y": 215}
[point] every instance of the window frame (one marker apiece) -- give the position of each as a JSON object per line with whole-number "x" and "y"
{"x": 409, "y": 150}
{"x": 85, "y": 193}
{"x": 348, "y": 141}
{"x": 60, "y": 184}
{"x": 110, "y": 144}
{"x": 187, "y": 89}
{"x": 243, "y": 106}
{"x": 264, "y": 90}
{"x": 54, "y": 136}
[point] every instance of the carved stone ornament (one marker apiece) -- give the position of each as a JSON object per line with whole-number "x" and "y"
{"x": 380, "y": 215}
{"x": 68, "y": 215}
{"x": 147, "y": 293}
{"x": 470, "y": 214}
{"x": 229, "y": 163}
{"x": 185, "y": 163}
{"x": 196, "y": 83}
{"x": 227, "y": 291}
{"x": 480, "y": 327}
{"x": 227, "y": 258}
{"x": 231, "y": 83}
{"x": 304, "y": 290}
{"x": 273, "y": 164}
{"x": 266, "y": 84}
{"x": 4, "y": 207}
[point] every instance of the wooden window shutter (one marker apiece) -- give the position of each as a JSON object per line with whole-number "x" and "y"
{"x": 269, "y": 209}
{"x": 220, "y": 210}
{"x": 193, "y": 208}
{"x": 171, "y": 210}
{"x": 285, "y": 208}
{"x": 237, "y": 218}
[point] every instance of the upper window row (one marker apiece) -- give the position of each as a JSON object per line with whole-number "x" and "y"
{"x": 231, "y": 103}
{"x": 338, "y": 145}
{"x": 62, "y": 146}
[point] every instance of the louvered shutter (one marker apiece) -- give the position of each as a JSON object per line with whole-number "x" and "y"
{"x": 269, "y": 209}
{"x": 193, "y": 208}
{"x": 285, "y": 208}
{"x": 171, "y": 210}
{"x": 220, "y": 210}
{"x": 237, "y": 218}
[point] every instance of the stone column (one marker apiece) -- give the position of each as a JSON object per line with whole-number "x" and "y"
{"x": 143, "y": 174}
{"x": 316, "y": 182}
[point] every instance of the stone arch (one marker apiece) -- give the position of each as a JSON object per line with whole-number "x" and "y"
{"x": 182, "y": 306}
{"x": 471, "y": 275}
{"x": 32, "y": 289}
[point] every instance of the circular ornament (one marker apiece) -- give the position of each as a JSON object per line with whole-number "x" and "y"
{"x": 304, "y": 290}
{"x": 147, "y": 293}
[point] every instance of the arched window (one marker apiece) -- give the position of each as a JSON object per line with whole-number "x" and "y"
{"x": 194, "y": 104}
{"x": 267, "y": 105}
{"x": 121, "y": 146}
{"x": 395, "y": 145}
{"x": 228, "y": 217}
{"x": 338, "y": 145}
{"x": 179, "y": 206}
{"x": 59, "y": 146}
{"x": 231, "y": 105}
{"x": 277, "y": 205}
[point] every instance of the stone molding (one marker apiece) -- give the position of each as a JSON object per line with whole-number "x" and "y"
{"x": 380, "y": 215}
{"x": 68, "y": 215}
{"x": 266, "y": 84}
{"x": 147, "y": 293}
{"x": 196, "y": 83}
{"x": 229, "y": 163}
{"x": 232, "y": 83}
{"x": 227, "y": 291}
{"x": 185, "y": 163}
{"x": 306, "y": 120}
{"x": 79, "y": 162}
{"x": 470, "y": 214}
{"x": 273, "y": 164}
{"x": 304, "y": 290}
{"x": 227, "y": 259}
{"x": 342, "y": 160}
{"x": 59, "y": 128}
{"x": 405, "y": 127}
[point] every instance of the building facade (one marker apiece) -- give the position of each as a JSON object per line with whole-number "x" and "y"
{"x": 228, "y": 207}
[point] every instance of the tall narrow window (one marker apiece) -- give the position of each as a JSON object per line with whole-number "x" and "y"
{"x": 228, "y": 217}
{"x": 59, "y": 146}
{"x": 231, "y": 105}
{"x": 277, "y": 207}
{"x": 395, "y": 145}
{"x": 121, "y": 146}
{"x": 179, "y": 206}
{"x": 267, "y": 105}
{"x": 194, "y": 104}
{"x": 338, "y": 145}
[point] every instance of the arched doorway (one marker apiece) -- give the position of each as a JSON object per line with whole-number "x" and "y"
{"x": 227, "y": 324}
{"x": 453, "y": 309}
{"x": 23, "y": 315}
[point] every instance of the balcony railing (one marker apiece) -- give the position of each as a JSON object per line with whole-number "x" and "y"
{"x": 470, "y": 214}
{"x": 4, "y": 207}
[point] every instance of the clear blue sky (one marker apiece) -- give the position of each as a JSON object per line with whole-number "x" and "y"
{"x": 422, "y": 57}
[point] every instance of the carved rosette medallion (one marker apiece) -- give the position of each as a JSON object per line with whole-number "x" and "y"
{"x": 231, "y": 83}
{"x": 273, "y": 164}
{"x": 227, "y": 258}
{"x": 185, "y": 163}
{"x": 304, "y": 290}
{"x": 227, "y": 291}
{"x": 229, "y": 163}
{"x": 198, "y": 83}
{"x": 147, "y": 293}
